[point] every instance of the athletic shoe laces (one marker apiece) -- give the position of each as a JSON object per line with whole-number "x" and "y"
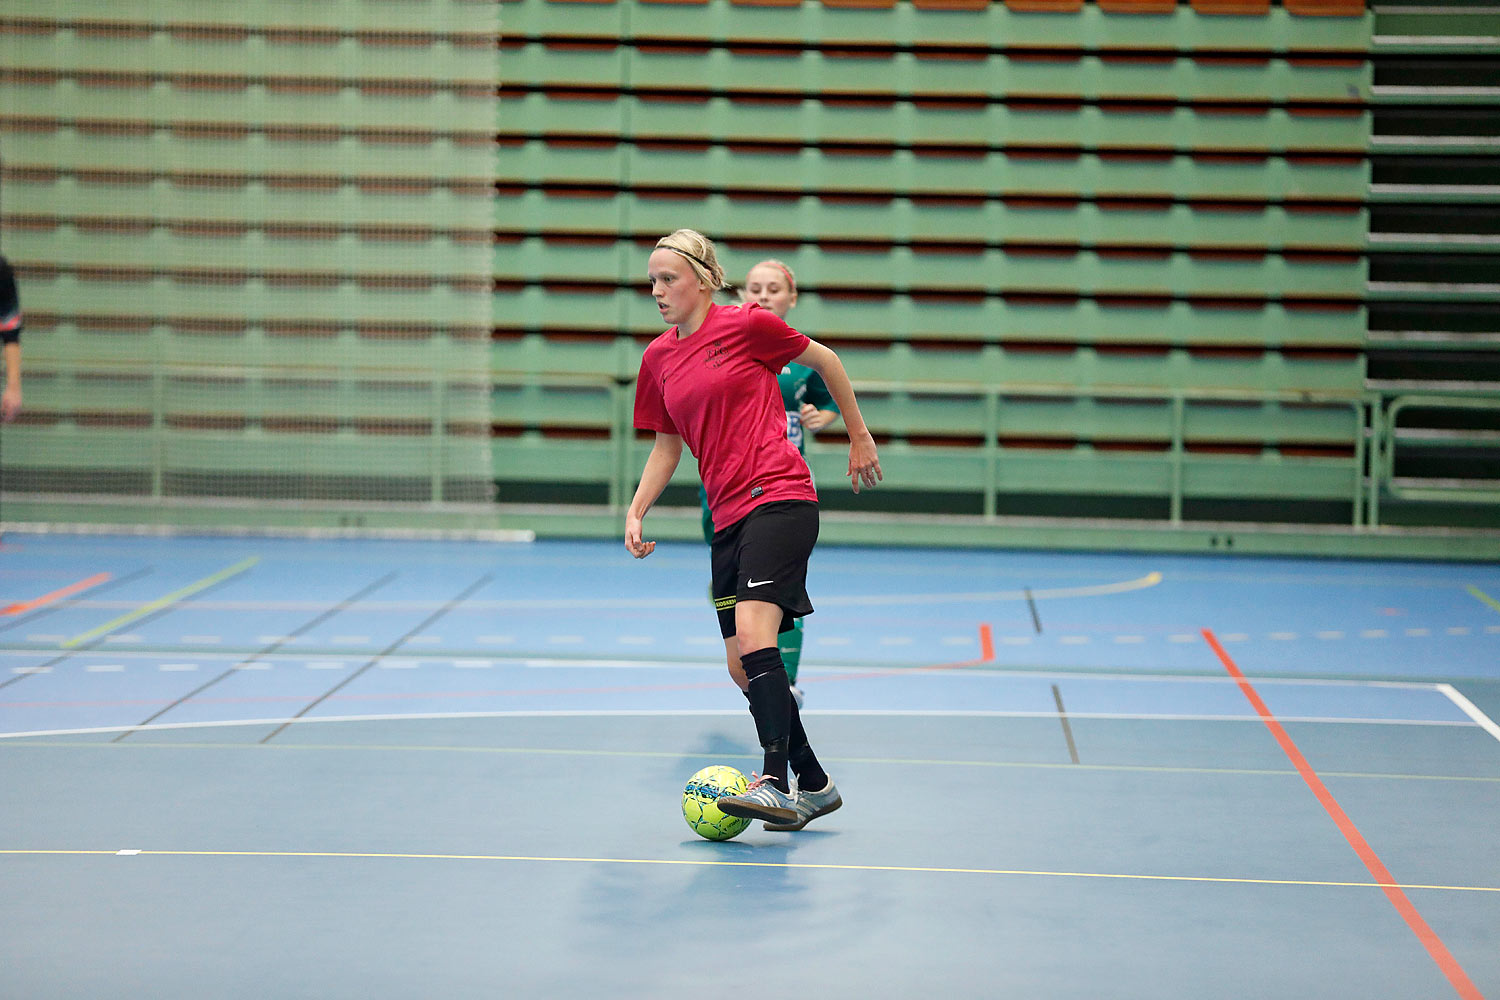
{"x": 759, "y": 781}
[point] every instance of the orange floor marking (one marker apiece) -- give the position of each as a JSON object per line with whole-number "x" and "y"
{"x": 56, "y": 595}
{"x": 1455, "y": 974}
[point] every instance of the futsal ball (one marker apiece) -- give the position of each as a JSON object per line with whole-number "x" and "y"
{"x": 700, "y": 798}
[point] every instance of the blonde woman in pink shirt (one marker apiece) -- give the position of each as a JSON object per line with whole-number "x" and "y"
{"x": 709, "y": 382}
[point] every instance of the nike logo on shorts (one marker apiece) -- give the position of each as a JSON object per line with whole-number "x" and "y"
{"x": 758, "y": 583}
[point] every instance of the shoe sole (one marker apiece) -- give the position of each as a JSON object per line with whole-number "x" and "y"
{"x": 754, "y": 810}
{"x": 789, "y": 827}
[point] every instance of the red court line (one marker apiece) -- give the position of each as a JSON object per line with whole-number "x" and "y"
{"x": 986, "y": 644}
{"x": 1434, "y": 945}
{"x": 72, "y": 588}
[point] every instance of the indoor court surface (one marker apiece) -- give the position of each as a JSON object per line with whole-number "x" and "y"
{"x": 354, "y": 768}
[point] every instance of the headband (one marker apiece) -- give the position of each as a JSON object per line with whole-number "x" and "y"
{"x": 791, "y": 281}
{"x": 699, "y": 260}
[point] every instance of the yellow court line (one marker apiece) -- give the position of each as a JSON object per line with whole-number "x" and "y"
{"x": 1486, "y": 598}
{"x": 163, "y": 601}
{"x": 784, "y": 865}
{"x": 140, "y": 744}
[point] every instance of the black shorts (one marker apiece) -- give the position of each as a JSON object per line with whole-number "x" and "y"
{"x": 763, "y": 557}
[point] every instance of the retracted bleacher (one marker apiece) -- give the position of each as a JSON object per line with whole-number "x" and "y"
{"x": 1102, "y": 260}
{"x": 253, "y": 242}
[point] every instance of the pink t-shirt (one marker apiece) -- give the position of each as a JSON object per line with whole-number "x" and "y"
{"x": 717, "y": 389}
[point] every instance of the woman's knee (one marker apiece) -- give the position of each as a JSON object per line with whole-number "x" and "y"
{"x": 737, "y": 674}
{"x": 736, "y": 668}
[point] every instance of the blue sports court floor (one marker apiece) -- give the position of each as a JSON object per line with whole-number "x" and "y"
{"x": 251, "y": 767}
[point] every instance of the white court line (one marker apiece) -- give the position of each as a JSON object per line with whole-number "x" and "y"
{"x": 1470, "y": 709}
{"x": 728, "y": 712}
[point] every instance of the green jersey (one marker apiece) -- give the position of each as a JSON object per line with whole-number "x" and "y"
{"x": 800, "y": 384}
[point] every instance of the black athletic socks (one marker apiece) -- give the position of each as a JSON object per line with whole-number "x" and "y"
{"x": 772, "y": 707}
{"x": 803, "y": 762}
{"x": 810, "y": 774}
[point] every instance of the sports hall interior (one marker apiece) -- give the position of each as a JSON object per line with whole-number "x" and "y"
{"x": 1193, "y": 307}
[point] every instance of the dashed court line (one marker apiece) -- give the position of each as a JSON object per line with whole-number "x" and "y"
{"x": 597, "y": 604}
{"x": 837, "y": 639}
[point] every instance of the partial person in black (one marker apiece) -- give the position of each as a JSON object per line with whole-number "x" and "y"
{"x": 10, "y": 337}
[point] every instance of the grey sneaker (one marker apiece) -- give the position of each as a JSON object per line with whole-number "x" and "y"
{"x": 762, "y": 800}
{"x": 811, "y": 805}
{"x": 797, "y": 695}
